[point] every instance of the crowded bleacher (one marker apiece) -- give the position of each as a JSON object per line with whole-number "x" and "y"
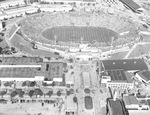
{"x": 33, "y": 26}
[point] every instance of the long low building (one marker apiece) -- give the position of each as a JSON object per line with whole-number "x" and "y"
{"x": 117, "y": 79}
{"x": 132, "y": 103}
{"x": 124, "y": 64}
{"x": 8, "y": 4}
{"x": 69, "y": 1}
{"x": 31, "y": 69}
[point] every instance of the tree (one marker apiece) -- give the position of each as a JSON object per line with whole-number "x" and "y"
{"x": 21, "y": 93}
{"x": 6, "y": 84}
{"x": 24, "y": 84}
{"x": 50, "y": 93}
{"x": 68, "y": 93}
{"x": 75, "y": 99}
{"x": 31, "y": 92}
{"x": 44, "y": 83}
{"x": 58, "y": 93}
{"x": 1, "y": 49}
{"x": 13, "y": 50}
{"x": 38, "y": 92}
{"x": 70, "y": 60}
{"x": 13, "y": 94}
{"x": 53, "y": 83}
{"x": 71, "y": 91}
{"x": 25, "y": 1}
{"x": 32, "y": 84}
{"x": 2, "y": 93}
{"x": 1, "y": 39}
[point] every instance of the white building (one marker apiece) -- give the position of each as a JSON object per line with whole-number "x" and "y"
{"x": 132, "y": 103}
{"x": 12, "y": 3}
{"x": 117, "y": 79}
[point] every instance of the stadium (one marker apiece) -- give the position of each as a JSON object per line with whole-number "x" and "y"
{"x": 53, "y": 34}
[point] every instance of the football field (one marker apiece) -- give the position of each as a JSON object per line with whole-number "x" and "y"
{"x": 78, "y": 34}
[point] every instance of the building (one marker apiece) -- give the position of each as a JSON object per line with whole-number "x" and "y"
{"x": 21, "y": 11}
{"x": 130, "y": 65}
{"x": 31, "y": 69}
{"x": 132, "y": 103}
{"x": 69, "y": 80}
{"x": 117, "y": 79}
{"x": 143, "y": 76}
{"x": 111, "y": 1}
{"x": 47, "y": 8}
{"x": 115, "y": 107}
{"x": 143, "y": 104}
{"x": 69, "y": 1}
{"x": 9, "y": 4}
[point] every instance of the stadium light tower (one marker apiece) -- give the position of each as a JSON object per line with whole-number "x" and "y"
{"x": 112, "y": 40}
{"x": 81, "y": 40}
{"x": 55, "y": 37}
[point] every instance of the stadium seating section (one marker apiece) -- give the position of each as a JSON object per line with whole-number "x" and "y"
{"x": 34, "y": 26}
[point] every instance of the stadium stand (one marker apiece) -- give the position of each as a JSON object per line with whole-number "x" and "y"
{"x": 34, "y": 25}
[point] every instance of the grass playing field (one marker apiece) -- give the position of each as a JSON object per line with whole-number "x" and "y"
{"x": 77, "y": 34}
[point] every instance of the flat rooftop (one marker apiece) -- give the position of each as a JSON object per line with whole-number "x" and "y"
{"x": 18, "y": 72}
{"x": 28, "y": 67}
{"x": 119, "y": 76}
{"x": 130, "y": 100}
{"x": 124, "y": 64}
{"x": 20, "y": 60}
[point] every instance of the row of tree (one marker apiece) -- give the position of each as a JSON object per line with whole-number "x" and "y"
{"x": 35, "y": 92}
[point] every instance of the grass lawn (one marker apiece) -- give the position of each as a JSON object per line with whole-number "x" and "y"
{"x": 12, "y": 30}
{"x": 26, "y": 47}
{"x": 140, "y": 49}
{"x": 119, "y": 55}
{"x": 3, "y": 44}
{"x": 75, "y": 34}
